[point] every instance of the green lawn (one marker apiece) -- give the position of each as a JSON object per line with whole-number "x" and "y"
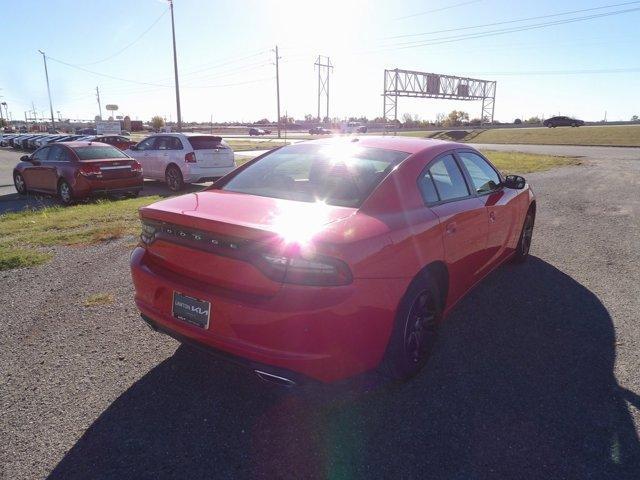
{"x": 614, "y": 135}
{"x": 22, "y": 234}
{"x": 522, "y": 163}
{"x": 25, "y": 236}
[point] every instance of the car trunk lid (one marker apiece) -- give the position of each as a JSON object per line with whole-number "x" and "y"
{"x": 214, "y": 236}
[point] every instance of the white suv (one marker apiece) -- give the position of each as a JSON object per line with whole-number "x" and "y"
{"x": 179, "y": 158}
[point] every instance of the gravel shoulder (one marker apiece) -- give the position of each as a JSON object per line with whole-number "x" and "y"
{"x": 536, "y": 374}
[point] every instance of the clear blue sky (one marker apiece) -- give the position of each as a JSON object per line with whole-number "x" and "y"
{"x": 225, "y": 57}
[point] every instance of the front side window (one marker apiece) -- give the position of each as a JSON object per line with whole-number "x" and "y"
{"x": 484, "y": 178}
{"x": 95, "y": 152}
{"x": 341, "y": 174}
{"x": 146, "y": 144}
{"x": 447, "y": 179}
{"x": 41, "y": 155}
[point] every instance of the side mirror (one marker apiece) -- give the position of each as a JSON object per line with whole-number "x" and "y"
{"x": 25, "y": 158}
{"x": 514, "y": 181}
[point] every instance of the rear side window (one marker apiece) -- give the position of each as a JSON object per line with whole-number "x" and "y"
{"x": 206, "y": 142}
{"x": 447, "y": 179}
{"x": 95, "y": 152}
{"x": 168, "y": 143}
{"x": 340, "y": 174}
{"x": 483, "y": 176}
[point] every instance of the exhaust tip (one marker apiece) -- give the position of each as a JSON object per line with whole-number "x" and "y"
{"x": 275, "y": 379}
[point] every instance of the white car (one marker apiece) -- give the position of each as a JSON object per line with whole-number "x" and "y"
{"x": 179, "y": 158}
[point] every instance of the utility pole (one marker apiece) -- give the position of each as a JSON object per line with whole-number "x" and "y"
{"x": 175, "y": 68}
{"x": 99, "y": 105}
{"x": 278, "y": 89}
{"x": 323, "y": 81}
{"x": 46, "y": 74}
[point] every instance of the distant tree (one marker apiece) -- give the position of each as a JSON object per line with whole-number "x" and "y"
{"x": 475, "y": 121}
{"x": 440, "y": 119}
{"x": 532, "y": 120}
{"x": 517, "y": 121}
{"x": 262, "y": 121}
{"x": 157, "y": 122}
{"x": 455, "y": 118}
{"x": 3, "y": 122}
{"x": 634, "y": 118}
{"x": 308, "y": 117}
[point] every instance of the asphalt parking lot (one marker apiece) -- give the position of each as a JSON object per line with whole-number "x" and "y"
{"x": 535, "y": 376}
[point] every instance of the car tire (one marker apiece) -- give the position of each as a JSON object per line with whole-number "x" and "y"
{"x": 20, "y": 184}
{"x": 526, "y": 235}
{"x": 415, "y": 330}
{"x": 173, "y": 178}
{"x": 65, "y": 193}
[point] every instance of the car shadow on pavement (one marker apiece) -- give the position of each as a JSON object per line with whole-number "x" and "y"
{"x": 521, "y": 385}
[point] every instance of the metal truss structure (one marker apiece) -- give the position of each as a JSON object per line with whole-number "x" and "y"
{"x": 408, "y": 83}
{"x": 324, "y": 70}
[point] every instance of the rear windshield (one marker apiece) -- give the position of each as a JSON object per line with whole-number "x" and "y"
{"x": 340, "y": 174}
{"x": 206, "y": 142}
{"x": 95, "y": 152}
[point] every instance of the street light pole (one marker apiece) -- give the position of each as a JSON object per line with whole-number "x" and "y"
{"x": 46, "y": 74}
{"x": 278, "y": 89}
{"x": 175, "y": 67}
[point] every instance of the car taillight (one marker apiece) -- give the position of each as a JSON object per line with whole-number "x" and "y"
{"x": 316, "y": 270}
{"x": 90, "y": 170}
{"x": 190, "y": 157}
{"x": 136, "y": 167}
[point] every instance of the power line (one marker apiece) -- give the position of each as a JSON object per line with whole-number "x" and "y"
{"x": 108, "y": 76}
{"x": 514, "y": 21}
{"x": 438, "y": 9}
{"x": 130, "y": 44}
{"x": 456, "y": 38}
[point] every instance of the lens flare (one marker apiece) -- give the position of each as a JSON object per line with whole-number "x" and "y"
{"x": 298, "y": 223}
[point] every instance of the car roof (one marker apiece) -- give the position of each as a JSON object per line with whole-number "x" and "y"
{"x": 84, "y": 143}
{"x": 409, "y": 145}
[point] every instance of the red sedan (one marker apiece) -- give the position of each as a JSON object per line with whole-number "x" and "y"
{"x": 330, "y": 258}
{"x": 75, "y": 170}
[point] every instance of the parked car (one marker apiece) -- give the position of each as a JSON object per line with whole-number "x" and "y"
{"x": 254, "y": 132}
{"x": 327, "y": 259}
{"x": 319, "y": 131}
{"x": 4, "y": 140}
{"x": 562, "y": 122}
{"x": 118, "y": 141}
{"x": 77, "y": 170}
{"x": 179, "y": 158}
{"x": 31, "y": 143}
{"x": 352, "y": 127}
{"x": 86, "y": 131}
{"x": 21, "y": 142}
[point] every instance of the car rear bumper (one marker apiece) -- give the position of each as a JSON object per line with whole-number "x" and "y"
{"x": 85, "y": 187}
{"x": 326, "y": 334}
{"x": 195, "y": 174}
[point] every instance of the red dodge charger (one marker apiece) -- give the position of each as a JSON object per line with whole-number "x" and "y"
{"x": 327, "y": 259}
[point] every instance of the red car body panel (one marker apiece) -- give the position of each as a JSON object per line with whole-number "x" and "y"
{"x": 46, "y": 173}
{"x": 327, "y": 333}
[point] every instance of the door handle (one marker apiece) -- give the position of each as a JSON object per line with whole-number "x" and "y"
{"x": 492, "y": 216}
{"x": 451, "y": 228}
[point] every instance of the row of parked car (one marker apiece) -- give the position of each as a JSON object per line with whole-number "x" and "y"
{"x": 32, "y": 141}
{"x": 77, "y": 168}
